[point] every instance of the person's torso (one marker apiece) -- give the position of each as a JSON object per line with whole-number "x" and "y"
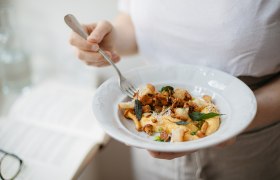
{"x": 239, "y": 37}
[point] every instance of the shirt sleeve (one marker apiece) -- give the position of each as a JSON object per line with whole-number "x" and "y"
{"x": 123, "y": 5}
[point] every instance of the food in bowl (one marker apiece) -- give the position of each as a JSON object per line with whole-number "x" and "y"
{"x": 171, "y": 115}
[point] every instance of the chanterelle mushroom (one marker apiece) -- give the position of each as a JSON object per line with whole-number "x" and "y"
{"x": 129, "y": 115}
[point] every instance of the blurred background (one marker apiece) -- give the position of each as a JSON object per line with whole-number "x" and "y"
{"x": 39, "y": 40}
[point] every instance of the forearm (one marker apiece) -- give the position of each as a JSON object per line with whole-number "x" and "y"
{"x": 125, "y": 41}
{"x": 268, "y": 101}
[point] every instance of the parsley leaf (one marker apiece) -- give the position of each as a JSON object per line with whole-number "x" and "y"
{"x": 193, "y": 133}
{"x": 157, "y": 138}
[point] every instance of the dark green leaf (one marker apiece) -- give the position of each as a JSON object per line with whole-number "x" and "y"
{"x": 182, "y": 123}
{"x": 168, "y": 89}
{"x": 197, "y": 116}
{"x": 138, "y": 109}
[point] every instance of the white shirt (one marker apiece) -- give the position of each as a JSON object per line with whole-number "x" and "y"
{"x": 238, "y": 37}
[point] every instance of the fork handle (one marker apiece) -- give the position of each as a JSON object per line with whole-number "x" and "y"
{"x": 107, "y": 58}
{"x": 74, "y": 24}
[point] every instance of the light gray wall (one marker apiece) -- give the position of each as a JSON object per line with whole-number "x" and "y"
{"x": 42, "y": 32}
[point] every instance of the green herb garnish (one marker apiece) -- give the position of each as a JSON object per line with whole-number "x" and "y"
{"x": 138, "y": 109}
{"x": 198, "y": 116}
{"x": 160, "y": 129}
{"x": 182, "y": 123}
{"x": 157, "y": 138}
{"x": 193, "y": 133}
{"x": 168, "y": 89}
{"x": 200, "y": 123}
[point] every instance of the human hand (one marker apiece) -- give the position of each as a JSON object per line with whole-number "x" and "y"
{"x": 173, "y": 155}
{"x": 101, "y": 35}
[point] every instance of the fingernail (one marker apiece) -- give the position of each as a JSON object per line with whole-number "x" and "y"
{"x": 114, "y": 55}
{"x": 94, "y": 47}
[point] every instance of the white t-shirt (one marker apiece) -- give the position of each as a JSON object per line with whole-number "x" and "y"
{"x": 238, "y": 37}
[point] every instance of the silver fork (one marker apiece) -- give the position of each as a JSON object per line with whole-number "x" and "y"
{"x": 125, "y": 86}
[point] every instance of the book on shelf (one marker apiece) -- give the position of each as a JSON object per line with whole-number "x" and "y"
{"x": 53, "y": 130}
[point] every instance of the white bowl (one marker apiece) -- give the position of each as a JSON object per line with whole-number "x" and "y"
{"x": 232, "y": 97}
